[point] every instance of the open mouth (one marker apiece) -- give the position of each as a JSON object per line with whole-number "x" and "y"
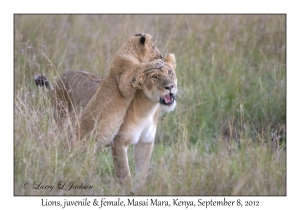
{"x": 167, "y": 99}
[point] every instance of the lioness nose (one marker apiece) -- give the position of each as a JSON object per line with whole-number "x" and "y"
{"x": 169, "y": 87}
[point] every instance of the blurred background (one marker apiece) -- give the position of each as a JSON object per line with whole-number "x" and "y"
{"x": 227, "y": 135}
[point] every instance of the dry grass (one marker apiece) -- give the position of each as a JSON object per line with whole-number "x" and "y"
{"x": 227, "y": 135}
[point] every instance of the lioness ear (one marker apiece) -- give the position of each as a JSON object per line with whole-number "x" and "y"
{"x": 170, "y": 59}
{"x": 137, "y": 83}
{"x": 143, "y": 39}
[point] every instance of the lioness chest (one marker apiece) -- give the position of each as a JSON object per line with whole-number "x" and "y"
{"x": 139, "y": 128}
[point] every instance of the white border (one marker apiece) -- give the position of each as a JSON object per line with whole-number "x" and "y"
{"x": 6, "y": 84}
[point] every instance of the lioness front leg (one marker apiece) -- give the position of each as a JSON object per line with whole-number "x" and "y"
{"x": 128, "y": 76}
{"x": 142, "y": 155}
{"x": 119, "y": 151}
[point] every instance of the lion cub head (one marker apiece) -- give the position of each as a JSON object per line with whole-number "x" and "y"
{"x": 145, "y": 48}
{"x": 160, "y": 85}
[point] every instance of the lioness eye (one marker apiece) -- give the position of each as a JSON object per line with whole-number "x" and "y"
{"x": 170, "y": 72}
{"x": 155, "y": 77}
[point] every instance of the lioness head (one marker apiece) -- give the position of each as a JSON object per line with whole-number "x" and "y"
{"x": 160, "y": 85}
{"x": 146, "y": 48}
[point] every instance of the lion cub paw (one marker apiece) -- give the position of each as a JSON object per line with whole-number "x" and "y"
{"x": 158, "y": 63}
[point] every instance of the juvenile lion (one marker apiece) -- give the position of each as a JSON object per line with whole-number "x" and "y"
{"x": 105, "y": 111}
{"x": 156, "y": 90}
{"x": 74, "y": 89}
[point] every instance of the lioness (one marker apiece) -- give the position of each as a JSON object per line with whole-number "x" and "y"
{"x": 105, "y": 111}
{"x": 156, "y": 89}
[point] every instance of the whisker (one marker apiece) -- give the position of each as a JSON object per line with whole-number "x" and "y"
{"x": 181, "y": 92}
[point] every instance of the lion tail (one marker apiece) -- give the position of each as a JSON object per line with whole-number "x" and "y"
{"x": 41, "y": 80}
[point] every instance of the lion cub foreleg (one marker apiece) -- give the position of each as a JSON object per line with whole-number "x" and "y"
{"x": 142, "y": 155}
{"x": 129, "y": 76}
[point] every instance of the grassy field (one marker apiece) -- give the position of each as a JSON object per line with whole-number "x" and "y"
{"x": 227, "y": 135}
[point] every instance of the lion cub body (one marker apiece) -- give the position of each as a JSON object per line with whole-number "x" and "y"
{"x": 105, "y": 111}
{"x": 70, "y": 93}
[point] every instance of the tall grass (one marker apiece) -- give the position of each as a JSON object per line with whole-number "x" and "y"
{"x": 227, "y": 135}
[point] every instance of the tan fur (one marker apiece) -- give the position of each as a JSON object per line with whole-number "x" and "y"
{"x": 141, "y": 118}
{"x": 70, "y": 93}
{"x": 105, "y": 111}
{"x": 140, "y": 123}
